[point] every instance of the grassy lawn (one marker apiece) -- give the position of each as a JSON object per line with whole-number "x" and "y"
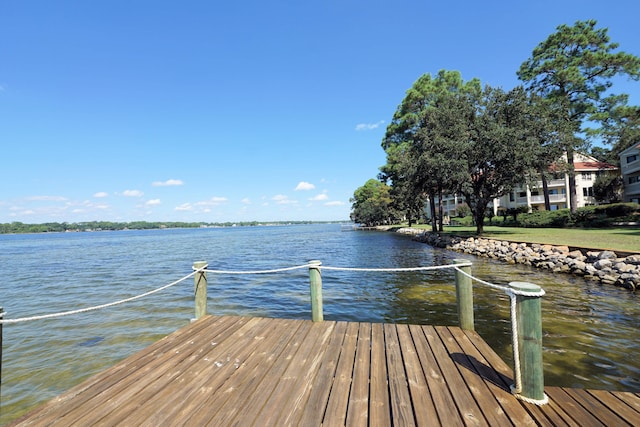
{"x": 615, "y": 239}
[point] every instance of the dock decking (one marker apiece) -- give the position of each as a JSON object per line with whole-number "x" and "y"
{"x": 242, "y": 371}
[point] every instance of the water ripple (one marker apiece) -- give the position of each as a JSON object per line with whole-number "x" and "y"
{"x": 589, "y": 330}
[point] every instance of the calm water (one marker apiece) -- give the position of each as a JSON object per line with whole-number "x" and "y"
{"x": 590, "y": 330}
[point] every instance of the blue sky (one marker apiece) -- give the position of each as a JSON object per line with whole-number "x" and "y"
{"x": 236, "y": 111}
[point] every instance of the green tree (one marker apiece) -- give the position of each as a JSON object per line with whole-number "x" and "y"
{"x": 411, "y": 165}
{"x": 401, "y": 171}
{"x": 439, "y": 149}
{"x": 371, "y": 204}
{"x": 544, "y": 124}
{"x": 605, "y": 155}
{"x": 620, "y": 127}
{"x": 607, "y": 188}
{"x": 500, "y": 149}
{"x": 573, "y": 69}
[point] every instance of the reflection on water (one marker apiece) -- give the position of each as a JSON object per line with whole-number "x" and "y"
{"x": 590, "y": 334}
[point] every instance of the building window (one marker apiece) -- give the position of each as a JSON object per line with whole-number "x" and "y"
{"x": 512, "y": 198}
{"x": 634, "y": 179}
{"x": 632, "y": 158}
{"x": 587, "y": 192}
{"x": 586, "y": 176}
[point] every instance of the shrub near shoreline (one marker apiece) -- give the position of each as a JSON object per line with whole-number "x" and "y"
{"x": 601, "y": 216}
{"x": 589, "y": 216}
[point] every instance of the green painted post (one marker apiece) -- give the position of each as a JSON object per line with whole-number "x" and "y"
{"x": 529, "y": 321}
{"x": 200, "y": 289}
{"x": 315, "y": 289}
{"x": 1, "y": 317}
{"x": 464, "y": 296}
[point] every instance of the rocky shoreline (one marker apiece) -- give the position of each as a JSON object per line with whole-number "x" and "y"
{"x": 603, "y": 266}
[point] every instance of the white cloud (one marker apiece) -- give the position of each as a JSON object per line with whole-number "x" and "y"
{"x": 305, "y": 186}
{"x": 184, "y": 207}
{"x": 153, "y": 202}
{"x": 132, "y": 193}
{"x": 101, "y": 194}
{"x": 167, "y": 183}
{"x": 369, "y": 126}
{"x": 319, "y": 197}
{"x": 334, "y": 203}
{"x": 246, "y": 201}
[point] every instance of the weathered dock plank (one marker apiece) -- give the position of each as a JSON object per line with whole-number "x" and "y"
{"x": 423, "y": 407}
{"x": 339, "y": 395}
{"x": 358, "y": 406}
{"x": 442, "y": 399}
{"x": 379, "y": 392}
{"x": 223, "y": 371}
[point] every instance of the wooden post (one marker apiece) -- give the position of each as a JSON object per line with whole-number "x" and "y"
{"x": 1, "y": 317}
{"x": 529, "y": 320}
{"x": 315, "y": 289}
{"x": 464, "y": 296}
{"x": 200, "y": 289}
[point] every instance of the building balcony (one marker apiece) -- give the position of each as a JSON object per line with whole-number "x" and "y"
{"x": 552, "y": 198}
{"x": 555, "y": 183}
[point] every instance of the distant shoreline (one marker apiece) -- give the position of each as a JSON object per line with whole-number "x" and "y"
{"x": 95, "y": 226}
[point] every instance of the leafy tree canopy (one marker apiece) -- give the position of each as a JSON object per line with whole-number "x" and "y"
{"x": 372, "y": 204}
{"x": 573, "y": 69}
{"x": 419, "y": 158}
{"x": 501, "y": 150}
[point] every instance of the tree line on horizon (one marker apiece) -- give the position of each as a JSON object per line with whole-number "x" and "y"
{"x": 61, "y": 227}
{"x": 450, "y": 136}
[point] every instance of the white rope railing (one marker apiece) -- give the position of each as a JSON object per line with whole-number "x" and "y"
{"x": 97, "y": 307}
{"x": 396, "y": 270}
{"x": 204, "y": 269}
{"x": 503, "y": 288}
{"x": 232, "y": 272}
{"x": 512, "y": 293}
{"x": 324, "y": 267}
{"x": 277, "y": 270}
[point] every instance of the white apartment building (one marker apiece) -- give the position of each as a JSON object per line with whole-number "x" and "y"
{"x": 587, "y": 169}
{"x": 630, "y": 169}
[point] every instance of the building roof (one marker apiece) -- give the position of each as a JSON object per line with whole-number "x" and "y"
{"x": 630, "y": 149}
{"x": 583, "y": 162}
{"x": 593, "y": 166}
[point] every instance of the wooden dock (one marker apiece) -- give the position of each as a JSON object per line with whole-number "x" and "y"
{"x": 223, "y": 371}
